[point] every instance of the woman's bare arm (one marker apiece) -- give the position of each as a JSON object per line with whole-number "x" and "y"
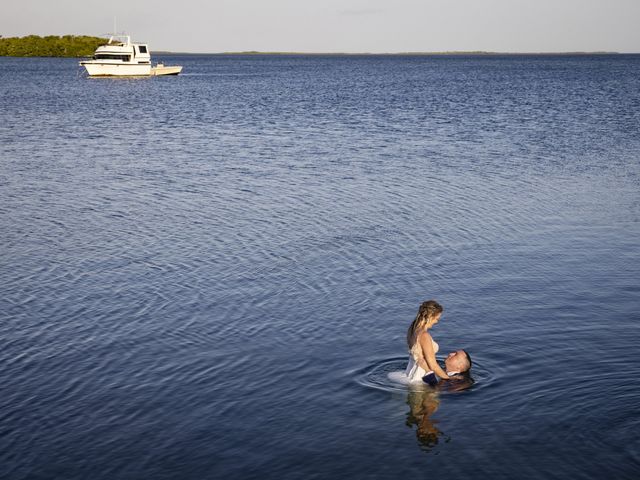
{"x": 422, "y": 363}
{"x": 430, "y": 356}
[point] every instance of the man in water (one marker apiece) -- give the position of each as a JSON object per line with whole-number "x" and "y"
{"x": 457, "y": 362}
{"x": 457, "y": 365}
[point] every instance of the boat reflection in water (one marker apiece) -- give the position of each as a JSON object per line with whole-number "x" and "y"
{"x": 424, "y": 403}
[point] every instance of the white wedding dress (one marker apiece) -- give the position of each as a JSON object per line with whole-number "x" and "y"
{"x": 413, "y": 372}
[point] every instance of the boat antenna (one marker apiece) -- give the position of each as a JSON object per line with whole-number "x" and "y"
{"x": 115, "y": 30}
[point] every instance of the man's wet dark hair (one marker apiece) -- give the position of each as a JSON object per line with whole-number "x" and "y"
{"x": 468, "y": 358}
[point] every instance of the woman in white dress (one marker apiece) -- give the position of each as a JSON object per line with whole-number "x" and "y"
{"x": 422, "y": 348}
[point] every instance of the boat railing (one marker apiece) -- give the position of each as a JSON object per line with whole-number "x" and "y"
{"x": 121, "y": 40}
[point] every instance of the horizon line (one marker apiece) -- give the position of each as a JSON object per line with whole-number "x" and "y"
{"x": 416, "y": 53}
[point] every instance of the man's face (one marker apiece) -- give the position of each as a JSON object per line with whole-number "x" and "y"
{"x": 456, "y": 362}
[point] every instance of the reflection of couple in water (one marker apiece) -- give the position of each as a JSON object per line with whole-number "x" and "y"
{"x": 423, "y": 404}
{"x": 423, "y": 369}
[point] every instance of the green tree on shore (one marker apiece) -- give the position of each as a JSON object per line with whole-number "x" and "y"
{"x": 49, "y": 46}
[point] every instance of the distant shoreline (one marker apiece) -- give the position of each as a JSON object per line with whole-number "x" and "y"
{"x": 84, "y": 46}
{"x": 73, "y": 46}
{"x": 397, "y": 54}
{"x": 85, "y": 54}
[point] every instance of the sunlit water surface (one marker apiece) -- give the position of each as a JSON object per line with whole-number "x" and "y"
{"x": 210, "y": 275}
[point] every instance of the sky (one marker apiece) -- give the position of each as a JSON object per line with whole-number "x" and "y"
{"x": 350, "y": 26}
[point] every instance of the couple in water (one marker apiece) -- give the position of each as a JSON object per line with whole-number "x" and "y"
{"x": 423, "y": 366}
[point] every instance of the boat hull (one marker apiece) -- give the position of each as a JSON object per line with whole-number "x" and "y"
{"x": 117, "y": 70}
{"x": 162, "y": 70}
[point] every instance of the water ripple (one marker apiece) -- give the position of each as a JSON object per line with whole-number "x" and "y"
{"x": 376, "y": 376}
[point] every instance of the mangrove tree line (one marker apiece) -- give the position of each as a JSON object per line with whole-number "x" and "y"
{"x": 49, "y": 46}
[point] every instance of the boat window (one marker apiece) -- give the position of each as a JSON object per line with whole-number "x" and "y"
{"x": 143, "y": 49}
{"x": 106, "y": 56}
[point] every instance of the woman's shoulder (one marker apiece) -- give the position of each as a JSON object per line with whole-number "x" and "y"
{"x": 424, "y": 334}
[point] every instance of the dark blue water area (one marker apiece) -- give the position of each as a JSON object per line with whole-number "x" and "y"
{"x": 210, "y": 275}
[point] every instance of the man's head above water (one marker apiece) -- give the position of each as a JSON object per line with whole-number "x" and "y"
{"x": 458, "y": 361}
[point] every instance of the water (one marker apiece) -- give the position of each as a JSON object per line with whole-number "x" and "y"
{"x": 209, "y": 275}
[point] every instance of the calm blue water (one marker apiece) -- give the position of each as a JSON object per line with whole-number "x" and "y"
{"x": 209, "y": 275}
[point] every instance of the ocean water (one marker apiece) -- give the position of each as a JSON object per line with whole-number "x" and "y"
{"x": 210, "y": 275}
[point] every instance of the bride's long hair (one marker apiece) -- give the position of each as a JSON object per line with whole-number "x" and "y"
{"x": 427, "y": 311}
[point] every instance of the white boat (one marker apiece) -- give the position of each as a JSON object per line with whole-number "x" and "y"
{"x": 162, "y": 69}
{"x": 121, "y": 58}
